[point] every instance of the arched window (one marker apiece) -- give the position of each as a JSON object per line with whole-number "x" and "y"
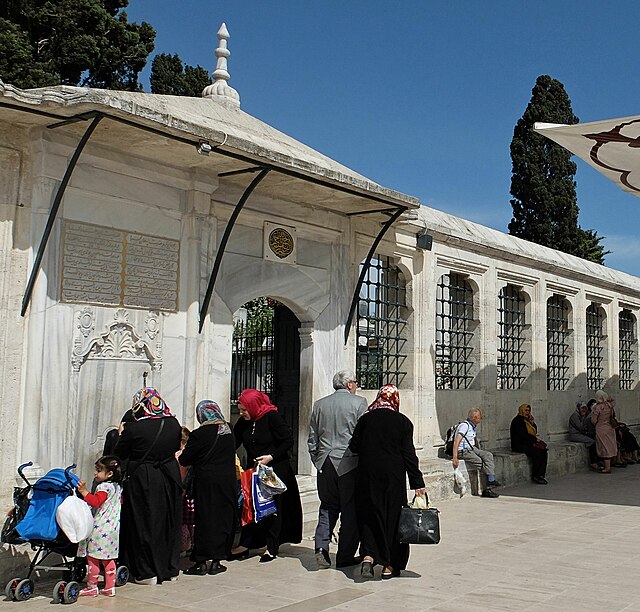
{"x": 628, "y": 347}
{"x": 454, "y": 324}
{"x": 557, "y": 343}
{"x": 511, "y": 338}
{"x": 382, "y": 312}
{"x": 595, "y": 346}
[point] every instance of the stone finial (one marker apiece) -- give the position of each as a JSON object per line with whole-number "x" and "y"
{"x": 220, "y": 88}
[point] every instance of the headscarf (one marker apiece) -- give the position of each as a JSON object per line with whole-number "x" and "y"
{"x": 580, "y": 405}
{"x": 209, "y": 413}
{"x": 601, "y": 396}
{"x": 388, "y": 397}
{"x": 256, "y": 402}
{"x": 147, "y": 404}
{"x": 529, "y": 421}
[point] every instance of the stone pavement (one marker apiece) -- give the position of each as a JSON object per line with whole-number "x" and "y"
{"x": 572, "y": 545}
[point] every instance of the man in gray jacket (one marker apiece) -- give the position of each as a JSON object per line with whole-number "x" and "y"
{"x": 333, "y": 420}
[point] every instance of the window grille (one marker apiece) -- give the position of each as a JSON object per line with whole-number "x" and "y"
{"x": 454, "y": 318}
{"x": 626, "y": 324}
{"x": 557, "y": 343}
{"x": 595, "y": 347}
{"x": 511, "y": 327}
{"x": 381, "y": 352}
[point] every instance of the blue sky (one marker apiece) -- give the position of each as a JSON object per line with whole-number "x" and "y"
{"x": 422, "y": 96}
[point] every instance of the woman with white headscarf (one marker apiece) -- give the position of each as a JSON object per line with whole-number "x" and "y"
{"x": 211, "y": 451}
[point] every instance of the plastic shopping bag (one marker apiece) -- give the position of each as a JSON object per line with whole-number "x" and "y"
{"x": 269, "y": 482}
{"x": 246, "y": 483}
{"x": 460, "y": 482}
{"x": 263, "y": 505}
{"x": 75, "y": 519}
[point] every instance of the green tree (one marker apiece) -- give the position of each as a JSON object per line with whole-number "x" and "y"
{"x": 72, "y": 42}
{"x": 545, "y": 208}
{"x": 170, "y": 76}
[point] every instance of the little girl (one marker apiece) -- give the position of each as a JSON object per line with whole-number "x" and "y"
{"x": 102, "y": 544}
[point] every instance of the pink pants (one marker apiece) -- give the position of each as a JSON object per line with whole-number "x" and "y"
{"x": 94, "y": 572}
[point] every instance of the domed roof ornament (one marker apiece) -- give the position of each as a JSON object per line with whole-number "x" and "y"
{"x": 220, "y": 89}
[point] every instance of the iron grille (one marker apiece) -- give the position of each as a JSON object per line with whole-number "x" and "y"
{"x": 252, "y": 349}
{"x": 511, "y": 325}
{"x": 595, "y": 347}
{"x": 557, "y": 344}
{"x": 381, "y": 325}
{"x": 626, "y": 323}
{"x": 454, "y": 317}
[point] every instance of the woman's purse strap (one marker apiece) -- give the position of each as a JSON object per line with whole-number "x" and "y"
{"x": 144, "y": 457}
{"x": 210, "y": 451}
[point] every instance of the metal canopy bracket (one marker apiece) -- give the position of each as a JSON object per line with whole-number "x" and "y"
{"x": 365, "y": 268}
{"x": 54, "y": 212}
{"x": 223, "y": 243}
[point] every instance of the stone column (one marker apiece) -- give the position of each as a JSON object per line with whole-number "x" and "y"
{"x": 306, "y": 396}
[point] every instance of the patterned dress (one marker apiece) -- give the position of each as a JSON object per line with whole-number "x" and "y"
{"x": 104, "y": 539}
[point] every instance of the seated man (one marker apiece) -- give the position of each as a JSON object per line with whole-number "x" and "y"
{"x": 579, "y": 430}
{"x": 465, "y": 446}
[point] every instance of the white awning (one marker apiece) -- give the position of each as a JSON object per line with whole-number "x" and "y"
{"x": 611, "y": 147}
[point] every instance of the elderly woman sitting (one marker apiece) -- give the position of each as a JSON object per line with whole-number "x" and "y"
{"x": 524, "y": 439}
{"x": 579, "y": 432}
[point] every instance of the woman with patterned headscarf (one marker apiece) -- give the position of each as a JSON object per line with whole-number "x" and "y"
{"x": 383, "y": 439}
{"x": 267, "y": 439}
{"x": 524, "y": 439}
{"x": 211, "y": 451}
{"x": 151, "y": 509}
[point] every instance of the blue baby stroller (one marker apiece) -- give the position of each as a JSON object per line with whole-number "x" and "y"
{"x": 33, "y": 521}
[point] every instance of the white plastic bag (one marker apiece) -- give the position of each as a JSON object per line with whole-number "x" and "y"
{"x": 75, "y": 519}
{"x": 268, "y": 481}
{"x": 420, "y": 502}
{"x": 458, "y": 477}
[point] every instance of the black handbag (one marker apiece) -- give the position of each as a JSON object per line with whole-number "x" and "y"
{"x": 419, "y": 526}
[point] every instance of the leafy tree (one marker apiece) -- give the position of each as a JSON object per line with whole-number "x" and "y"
{"x": 72, "y": 42}
{"x": 170, "y": 76}
{"x": 545, "y": 209}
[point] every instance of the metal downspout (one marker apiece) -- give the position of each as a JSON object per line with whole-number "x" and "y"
{"x": 54, "y": 212}
{"x": 365, "y": 268}
{"x": 223, "y": 243}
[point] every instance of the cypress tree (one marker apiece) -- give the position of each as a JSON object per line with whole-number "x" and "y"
{"x": 170, "y": 76}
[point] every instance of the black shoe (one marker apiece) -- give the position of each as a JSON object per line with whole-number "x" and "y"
{"x": 216, "y": 568}
{"x": 266, "y": 557}
{"x": 197, "y": 569}
{"x": 490, "y": 493}
{"x": 539, "y": 480}
{"x": 388, "y": 576}
{"x": 322, "y": 558}
{"x": 349, "y": 562}
{"x": 241, "y": 556}
{"x": 493, "y": 483}
{"x": 366, "y": 570}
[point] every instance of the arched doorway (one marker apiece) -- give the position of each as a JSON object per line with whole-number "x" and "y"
{"x": 266, "y": 356}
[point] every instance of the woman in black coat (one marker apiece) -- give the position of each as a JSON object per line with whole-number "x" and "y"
{"x": 383, "y": 440}
{"x": 524, "y": 439}
{"x": 267, "y": 439}
{"x": 151, "y": 511}
{"x": 210, "y": 450}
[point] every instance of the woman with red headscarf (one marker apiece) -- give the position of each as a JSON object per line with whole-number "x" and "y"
{"x": 383, "y": 440}
{"x": 267, "y": 439}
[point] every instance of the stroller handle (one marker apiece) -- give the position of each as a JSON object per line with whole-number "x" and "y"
{"x": 67, "y": 472}
{"x": 20, "y": 470}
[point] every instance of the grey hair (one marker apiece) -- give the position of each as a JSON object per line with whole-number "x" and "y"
{"x": 342, "y": 378}
{"x": 474, "y": 411}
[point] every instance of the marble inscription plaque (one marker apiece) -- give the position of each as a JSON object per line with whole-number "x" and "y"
{"x": 118, "y": 268}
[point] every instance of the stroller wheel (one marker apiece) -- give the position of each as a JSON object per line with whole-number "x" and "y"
{"x": 122, "y": 575}
{"x": 10, "y": 589}
{"x": 71, "y": 592}
{"x": 24, "y": 590}
{"x": 58, "y": 591}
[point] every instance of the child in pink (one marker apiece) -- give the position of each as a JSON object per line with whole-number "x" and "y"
{"x": 102, "y": 545}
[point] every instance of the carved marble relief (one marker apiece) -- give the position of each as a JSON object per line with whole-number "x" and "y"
{"x": 111, "y": 267}
{"x": 119, "y": 338}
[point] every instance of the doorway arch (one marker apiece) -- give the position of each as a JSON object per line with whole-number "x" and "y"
{"x": 266, "y": 356}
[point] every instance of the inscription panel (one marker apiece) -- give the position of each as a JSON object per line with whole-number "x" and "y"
{"x": 118, "y": 268}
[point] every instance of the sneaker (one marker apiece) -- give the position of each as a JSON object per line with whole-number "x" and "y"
{"x": 108, "y": 592}
{"x": 147, "y": 581}
{"x": 490, "y": 493}
{"x": 540, "y": 480}
{"x": 89, "y": 591}
{"x": 322, "y": 558}
{"x": 493, "y": 483}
